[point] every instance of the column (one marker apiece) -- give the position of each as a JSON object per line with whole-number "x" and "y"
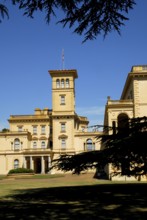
{"x": 42, "y": 165}
{"x": 24, "y": 162}
{"x": 31, "y": 163}
{"x": 49, "y": 164}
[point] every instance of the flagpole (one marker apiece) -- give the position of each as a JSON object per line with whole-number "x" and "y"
{"x": 63, "y": 59}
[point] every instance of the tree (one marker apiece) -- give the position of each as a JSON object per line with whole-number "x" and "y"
{"x": 90, "y": 17}
{"x": 124, "y": 149}
{"x": 5, "y": 130}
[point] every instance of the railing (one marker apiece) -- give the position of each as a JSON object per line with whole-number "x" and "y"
{"x": 125, "y": 102}
{"x": 36, "y": 149}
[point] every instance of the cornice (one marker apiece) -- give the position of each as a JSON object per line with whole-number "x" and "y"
{"x": 72, "y": 72}
{"x": 21, "y": 120}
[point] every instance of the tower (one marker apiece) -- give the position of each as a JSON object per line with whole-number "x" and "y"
{"x": 63, "y": 109}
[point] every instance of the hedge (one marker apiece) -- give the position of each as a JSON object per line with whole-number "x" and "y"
{"x": 21, "y": 170}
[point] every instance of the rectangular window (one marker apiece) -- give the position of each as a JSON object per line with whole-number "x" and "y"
{"x": 35, "y": 129}
{"x": 62, "y": 99}
{"x": 62, "y": 127}
{"x": 42, "y": 144}
{"x": 19, "y": 128}
{"x": 43, "y": 129}
{"x": 63, "y": 144}
{"x": 34, "y": 144}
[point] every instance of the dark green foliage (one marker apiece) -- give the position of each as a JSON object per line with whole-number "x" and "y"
{"x": 90, "y": 17}
{"x": 3, "y": 12}
{"x": 5, "y": 130}
{"x": 126, "y": 150}
{"x": 20, "y": 170}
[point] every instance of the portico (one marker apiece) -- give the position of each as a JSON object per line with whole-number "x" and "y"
{"x": 38, "y": 163}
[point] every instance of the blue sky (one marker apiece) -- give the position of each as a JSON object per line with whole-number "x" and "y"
{"x": 30, "y": 47}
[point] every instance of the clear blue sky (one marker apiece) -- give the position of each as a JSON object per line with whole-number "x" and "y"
{"x": 30, "y": 47}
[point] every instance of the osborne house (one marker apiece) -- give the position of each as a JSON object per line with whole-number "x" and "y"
{"x": 33, "y": 141}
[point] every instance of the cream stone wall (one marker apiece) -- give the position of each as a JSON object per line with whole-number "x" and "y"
{"x": 69, "y": 105}
{"x": 142, "y": 97}
{"x": 3, "y": 167}
{"x": 68, "y": 134}
{"x": 81, "y": 140}
{"x": 26, "y": 126}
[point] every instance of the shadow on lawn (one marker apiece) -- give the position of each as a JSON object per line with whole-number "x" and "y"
{"x": 108, "y": 201}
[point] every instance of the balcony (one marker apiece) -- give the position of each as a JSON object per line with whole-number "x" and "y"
{"x": 36, "y": 150}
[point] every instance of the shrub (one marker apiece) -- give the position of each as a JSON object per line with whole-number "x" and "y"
{"x": 21, "y": 170}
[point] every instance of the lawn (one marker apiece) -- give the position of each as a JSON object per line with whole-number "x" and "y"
{"x": 67, "y": 197}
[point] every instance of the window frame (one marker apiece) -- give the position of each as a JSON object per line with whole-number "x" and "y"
{"x": 67, "y": 83}
{"x": 17, "y": 144}
{"x": 43, "y": 144}
{"x": 20, "y": 128}
{"x": 63, "y": 127}
{"x": 62, "y": 99}
{"x": 63, "y": 144}
{"x": 34, "y": 144}
{"x": 89, "y": 145}
{"x": 62, "y": 83}
{"x": 16, "y": 164}
{"x": 57, "y": 83}
{"x": 34, "y": 129}
{"x": 43, "y": 129}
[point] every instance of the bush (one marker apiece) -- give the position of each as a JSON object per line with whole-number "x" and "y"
{"x": 21, "y": 170}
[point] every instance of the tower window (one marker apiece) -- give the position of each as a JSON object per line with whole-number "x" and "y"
{"x": 62, "y": 83}
{"x": 62, "y": 127}
{"x": 67, "y": 83}
{"x": 62, "y": 99}
{"x": 57, "y": 83}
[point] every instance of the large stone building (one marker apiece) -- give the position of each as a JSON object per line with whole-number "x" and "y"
{"x": 33, "y": 141}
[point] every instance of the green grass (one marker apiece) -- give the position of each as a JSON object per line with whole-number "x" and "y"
{"x": 67, "y": 197}
{"x": 2, "y": 177}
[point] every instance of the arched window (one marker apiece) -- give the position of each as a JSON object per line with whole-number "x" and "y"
{"x": 123, "y": 123}
{"x": 34, "y": 144}
{"x": 89, "y": 145}
{"x": 16, "y": 144}
{"x": 62, "y": 83}
{"x": 42, "y": 144}
{"x": 57, "y": 83}
{"x": 16, "y": 164}
{"x": 67, "y": 83}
